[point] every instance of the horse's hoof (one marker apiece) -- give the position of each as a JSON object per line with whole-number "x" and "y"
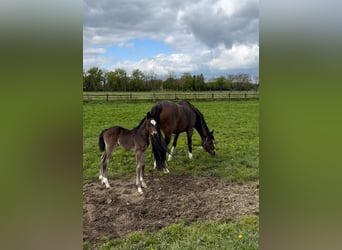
{"x": 166, "y": 170}
{"x": 140, "y": 190}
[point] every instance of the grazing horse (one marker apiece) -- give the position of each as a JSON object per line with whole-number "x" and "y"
{"x": 137, "y": 140}
{"x": 183, "y": 117}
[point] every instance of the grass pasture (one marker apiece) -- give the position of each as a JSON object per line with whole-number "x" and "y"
{"x": 235, "y": 126}
{"x": 237, "y": 161}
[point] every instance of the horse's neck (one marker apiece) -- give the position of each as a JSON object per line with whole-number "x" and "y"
{"x": 202, "y": 129}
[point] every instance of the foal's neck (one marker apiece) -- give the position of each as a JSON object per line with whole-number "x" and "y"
{"x": 142, "y": 131}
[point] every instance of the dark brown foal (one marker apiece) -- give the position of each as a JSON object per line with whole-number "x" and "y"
{"x": 137, "y": 140}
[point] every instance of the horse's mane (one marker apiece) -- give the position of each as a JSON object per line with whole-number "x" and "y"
{"x": 140, "y": 123}
{"x": 155, "y": 112}
{"x": 200, "y": 121}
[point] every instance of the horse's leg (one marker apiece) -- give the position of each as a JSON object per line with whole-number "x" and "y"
{"x": 104, "y": 162}
{"x": 174, "y": 144}
{"x": 140, "y": 157}
{"x": 189, "y": 135}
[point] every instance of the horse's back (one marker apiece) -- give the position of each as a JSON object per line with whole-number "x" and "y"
{"x": 113, "y": 133}
{"x": 176, "y": 118}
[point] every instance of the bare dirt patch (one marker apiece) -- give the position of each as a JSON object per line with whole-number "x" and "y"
{"x": 115, "y": 212}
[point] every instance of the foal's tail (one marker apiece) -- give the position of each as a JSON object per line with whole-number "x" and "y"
{"x": 102, "y": 144}
{"x": 159, "y": 147}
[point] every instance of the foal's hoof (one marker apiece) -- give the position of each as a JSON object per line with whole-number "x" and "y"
{"x": 104, "y": 180}
{"x": 106, "y": 185}
{"x": 140, "y": 190}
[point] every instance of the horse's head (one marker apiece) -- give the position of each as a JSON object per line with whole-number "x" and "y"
{"x": 208, "y": 143}
{"x": 151, "y": 124}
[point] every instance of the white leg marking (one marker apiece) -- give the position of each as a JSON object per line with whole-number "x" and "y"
{"x": 143, "y": 184}
{"x": 171, "y": 152}
{"x": 105, "y": 181}
{"x": 190, "y": 155}
{"x": 154, "y": 164}
{"x": 140, "y": 190}
{"x": 166, "y": 170}
{"x": 100, "y": 177}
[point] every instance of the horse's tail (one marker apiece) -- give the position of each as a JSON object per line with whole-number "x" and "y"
{"x": 159, "y": 147}
{"x": 102, "y": 144}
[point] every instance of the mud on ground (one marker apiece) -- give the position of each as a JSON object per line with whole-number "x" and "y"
{"x": 115, "y": 212}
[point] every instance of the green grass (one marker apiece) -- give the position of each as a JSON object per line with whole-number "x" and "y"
{"x": 236, "y": 135}
{"x": 237, "y": 160}
{"x": 209, "y": 235}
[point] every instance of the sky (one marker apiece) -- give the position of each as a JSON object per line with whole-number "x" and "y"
{"x": 212, "y": 37}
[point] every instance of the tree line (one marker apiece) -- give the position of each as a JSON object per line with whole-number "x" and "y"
{"x": 96, "y": 79}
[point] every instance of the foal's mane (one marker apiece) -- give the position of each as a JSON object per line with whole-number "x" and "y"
{"x": 200, "y": 121}
{"x": 140, "y": 123}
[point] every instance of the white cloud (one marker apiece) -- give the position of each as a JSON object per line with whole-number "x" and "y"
{"x": 160, "y": 64}
{"x": 237, "y": 57}
{"x": 205, "y": 35}
{"x": 94, "y": 51}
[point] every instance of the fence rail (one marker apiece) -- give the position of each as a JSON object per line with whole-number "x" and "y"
{"x": 157, "y": 96}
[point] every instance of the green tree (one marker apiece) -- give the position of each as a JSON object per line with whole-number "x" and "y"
{"x": 187, "y": 81}
{"x": 112, "y": 81}
{"x": 137, "y": 81}
{"x": 122, "y": 79}
{"x": 93, "y": 79}
{"x": 199, "y": 83}
{"x": 169, "y": 83}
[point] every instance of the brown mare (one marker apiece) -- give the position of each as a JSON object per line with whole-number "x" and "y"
{"x": 183, "y": 117}
{"x": 137, "y": 140}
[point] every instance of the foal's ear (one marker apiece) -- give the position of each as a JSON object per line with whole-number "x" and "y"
{"x": 148, "y": 115}
{"x": 212, "y": 132}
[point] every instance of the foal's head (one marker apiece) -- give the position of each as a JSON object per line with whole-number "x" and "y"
{"x": 151, "y": 124}
{"x": 208, "y": 143}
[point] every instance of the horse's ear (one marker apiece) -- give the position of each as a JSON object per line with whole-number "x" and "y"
{"x": 148, "y": 115}
{"x": 212, "y": 134}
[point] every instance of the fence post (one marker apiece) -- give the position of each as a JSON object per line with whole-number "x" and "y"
{"x": 245, "y": 96}
{"x": 212, "y": 96}
{"x": 107, "y": 97}
{"x": 229, "y": 96}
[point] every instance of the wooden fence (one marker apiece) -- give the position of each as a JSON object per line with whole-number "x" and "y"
{"x": 157, "y": 96}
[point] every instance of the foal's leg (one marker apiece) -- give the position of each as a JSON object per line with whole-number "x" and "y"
{"x": 189, "y": 135}
{"x": 104, "y": 162}
{"x": 140, "y": 158}
{"x": 174, "y": 144}
{"x": 143, "y": 184}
